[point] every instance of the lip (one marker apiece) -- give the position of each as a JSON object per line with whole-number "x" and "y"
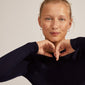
{"x": 54, "y": 33}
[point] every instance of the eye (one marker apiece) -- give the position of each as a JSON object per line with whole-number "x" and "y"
{"x": 48, "y": 19}
{"x": 62, "y": 19}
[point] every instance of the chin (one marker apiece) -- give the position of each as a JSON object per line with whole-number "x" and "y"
{"x": 54, "y": 40}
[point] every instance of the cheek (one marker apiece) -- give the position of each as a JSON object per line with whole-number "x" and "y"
{"x": 46, "y": 29}
{"x": 64, "y": 27}
{"x": 45, "y": 26}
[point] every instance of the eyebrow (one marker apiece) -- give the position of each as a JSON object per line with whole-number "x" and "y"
{"x": 47, "y": 15}
{"x": 52, "y": 16}
{"x": 62, "y": 15}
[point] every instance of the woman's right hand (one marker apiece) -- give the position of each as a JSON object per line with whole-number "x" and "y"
{"x": 46, "y": 48}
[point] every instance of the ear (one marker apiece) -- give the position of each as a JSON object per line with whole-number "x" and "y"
{"x": 39, "y": 21}
{"x": 70, "y": 23}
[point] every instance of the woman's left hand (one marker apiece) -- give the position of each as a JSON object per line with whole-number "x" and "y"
{"x": 63, "y": 45}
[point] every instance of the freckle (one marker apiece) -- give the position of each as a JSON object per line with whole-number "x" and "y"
{"x": 44, "y": 25}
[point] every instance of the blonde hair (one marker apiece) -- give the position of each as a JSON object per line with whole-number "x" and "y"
{"x": 48, "y": 1}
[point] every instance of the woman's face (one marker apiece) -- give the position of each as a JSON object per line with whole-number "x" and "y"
{"x": 55, "y": 21}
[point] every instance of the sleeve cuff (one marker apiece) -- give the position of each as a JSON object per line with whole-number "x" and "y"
{"x": 32, "y": 47}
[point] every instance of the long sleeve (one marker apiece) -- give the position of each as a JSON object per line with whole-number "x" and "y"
{"x": 78, "y": 43}
{"x": 13, "y": 64}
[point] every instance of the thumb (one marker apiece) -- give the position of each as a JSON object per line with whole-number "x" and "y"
{"x": 57, "y": 52}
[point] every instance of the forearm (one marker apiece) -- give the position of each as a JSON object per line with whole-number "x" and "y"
{"x": 12, "y": 59}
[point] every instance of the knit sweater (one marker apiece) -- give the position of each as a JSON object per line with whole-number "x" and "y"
{"x": 44, "y": 70}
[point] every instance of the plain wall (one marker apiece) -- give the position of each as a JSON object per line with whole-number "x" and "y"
{"x": 19, "y": 25}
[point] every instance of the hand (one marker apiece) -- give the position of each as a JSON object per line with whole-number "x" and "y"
{"x": 46, "y": 48}
{"x": 63, "y": 45}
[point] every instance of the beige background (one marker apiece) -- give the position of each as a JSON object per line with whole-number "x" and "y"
{"x": 18, "y": 26}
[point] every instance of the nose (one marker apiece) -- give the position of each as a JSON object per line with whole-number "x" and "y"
{"x": 55, "y": 24}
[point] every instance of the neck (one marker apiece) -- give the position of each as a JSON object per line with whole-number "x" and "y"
{"x": 57, "y": 42}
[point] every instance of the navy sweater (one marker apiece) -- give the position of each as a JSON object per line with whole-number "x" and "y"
{"x": 42, "y": 70}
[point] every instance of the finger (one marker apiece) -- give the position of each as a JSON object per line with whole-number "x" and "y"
{"x": 60, "y": 53}
{"x": 64, "y": 54}
{"x": 48, "y": 54}
{"x": 51, "y": 47}
{"x": 57, "y": 51}
{"x": 58, "y": 47}
{"x": 57, "y": 58}
{"x": 56, "y": 54}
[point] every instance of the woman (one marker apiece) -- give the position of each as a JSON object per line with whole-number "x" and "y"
{"x": 39, "y": 61}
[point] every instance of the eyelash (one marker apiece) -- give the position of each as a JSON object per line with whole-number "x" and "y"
{"x": 62, "y": 19}
{"x": 48, "y": 19}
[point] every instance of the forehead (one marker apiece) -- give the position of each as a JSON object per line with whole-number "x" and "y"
{"x": 55, "y": 9}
